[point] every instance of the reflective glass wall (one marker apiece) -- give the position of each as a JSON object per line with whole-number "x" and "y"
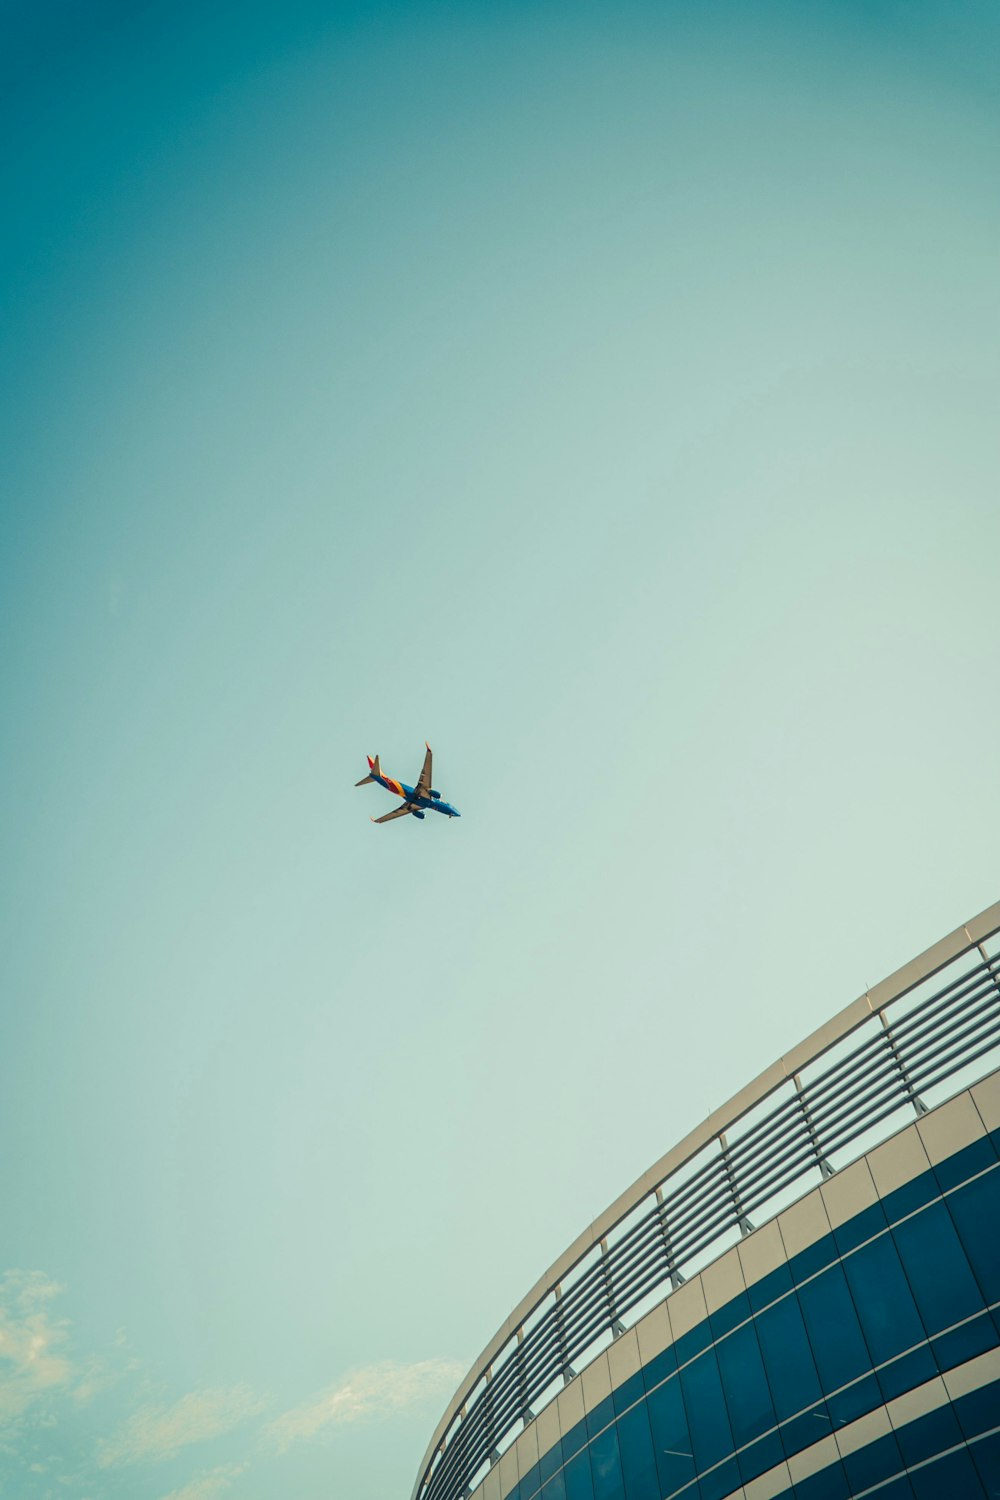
{"x": 866, "y": 1359}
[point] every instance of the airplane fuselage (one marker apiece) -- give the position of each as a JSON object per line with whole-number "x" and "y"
{"x": 416, "y": 799}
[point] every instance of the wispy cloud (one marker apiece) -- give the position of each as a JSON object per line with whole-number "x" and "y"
{"x": 209, "y": 1484}
{"x": 377, "y": 1390}
{"x": 157, "y": 1431}
{"x": 33, "y": 1359}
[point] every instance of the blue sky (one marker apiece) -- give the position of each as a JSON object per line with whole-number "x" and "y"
{"x": 607, "y": 396}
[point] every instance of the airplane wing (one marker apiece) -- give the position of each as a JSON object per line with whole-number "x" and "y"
{"x": 399, "y": 812}
{"x": 425, "y": 783}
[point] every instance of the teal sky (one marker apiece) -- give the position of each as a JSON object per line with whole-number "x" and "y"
{"x": 608, "y": 395}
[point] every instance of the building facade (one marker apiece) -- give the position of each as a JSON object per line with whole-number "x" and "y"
{"x": 802, "y": 1299}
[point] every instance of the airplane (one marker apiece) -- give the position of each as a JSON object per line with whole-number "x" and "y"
{"x": 416, "y": 799}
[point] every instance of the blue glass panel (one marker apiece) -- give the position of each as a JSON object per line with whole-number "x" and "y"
{"x": 760, "y": 1456}
{"x": 929, "y": 1434}
{"x": 802, "y": 1431}
{"x": 671, "y": 1438}
{"x": 791, "y": 1372}
{"x": 629, "y": 1392}
{"x": 979, "y": 1410}
{"x": 601, "y": 1416}
{"x": 721, "y": 1481}
{"x": 986, "y": 1457}
{"x": 638, "y": 1463}
{"x": 871, "y": 1464}
{"x": 706, "y": 1409}
{"x": 770, "y": 1287}
{"x": 898, "y": 1489}
{"x": 529, "y": 1483}
{"x": 828, "y": 1484}
{"x": 728, "y": 1316}
{"x": 859, "y": 1397}
{"x": 575, "y": 1439}
{"x": 550, "y": 1461}
{"x": 834, "y": 1332}
{"x": 692, "y": 1343}
{"x": 950, "y": 1478}
{"x": 863, "y": 1226}
{"x": 907, "y": 1371}
{"x": 555, "y": 1489}
{"x": 974, "y": 1158}
{"x": 975, "y": 1210}
{"x": 812, "y": 1259}
{"x": 579, "y": 1485}
{"x": 659, "y": 1368}
{"x": 964, "y": 1342}
{"x": 911, "y": 1196}
{"x": 748, "y": 1398}
{"x": 605, "y": 1466}
{"x": 938, "y": 1272}
{"x": 885, "y": 1305}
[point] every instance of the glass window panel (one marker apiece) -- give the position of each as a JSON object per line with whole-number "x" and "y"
{"x": 864, "y": 1226}
{"x": 986, "y": 1457}
{"x": 953, "y": 1477}
{"x": 638, "y": 1463}
{"x": 936, "y": 1267}
{"x": 760, "y": 1456}
{"x": 550, "y": 1461}
{"x": 791, "y": 1370}
{"x": 605, "y": 1466}
{"x": 889, "y": 1318}
{"x": 964, "y": 1342}
{"x": 804, "y": 1430}
{"x": 659, "y": 1368}
{"x": 579, "y": 1485}
{"x": 575, "y": 1439}
{"x": 748, "y": 1398}
{"x": 601, "y": 1416}
{"x": 834, "y": 1332}
{"x": 775, "y": 1284}
{"x": 736, "y": 1311}
{"x": 929, "y": 1434}
{"x": 973, "y": 1158}
{"x": 872, "y": 1464}
{"x": 859, "y": 1397}
{"x": 706, "y": 1409}
{"x": 721, "y": 1481}
{"x": 671, "y": 1438}
{"x": 979, "y": 1410}
{"x": 975, "y": 1211}
{"x": 907, "y": 1371}
{"x": 555, "y": 1489}
{"x": 629, "y": 1392}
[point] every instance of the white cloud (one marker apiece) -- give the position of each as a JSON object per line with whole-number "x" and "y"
{"x": 157, "y": 1431}
{"x": 33, "y": 1360}
{"x": 374, "y": 1391}
{"x": 206, "y": 1486}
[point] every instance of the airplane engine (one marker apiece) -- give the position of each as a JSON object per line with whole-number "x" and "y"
{"x": 436, "y": 796}
{"x": 419, "y": 815}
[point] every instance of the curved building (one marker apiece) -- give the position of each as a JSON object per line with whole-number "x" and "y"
{"x": 800, "y": 1299}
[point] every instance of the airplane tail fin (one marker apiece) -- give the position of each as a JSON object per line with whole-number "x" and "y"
{"x": 374, "y": 769}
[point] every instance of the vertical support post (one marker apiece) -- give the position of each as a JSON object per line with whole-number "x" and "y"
{"x": 527, "y": 1415}
{"x": 745, "y": 1226}
{"x": 489, "y": 1418}
{"x": 919, "y": 1107}
{"x": 614, "y": 1322}
{"x": 824, "y": 1166}
{"x": 566, "y": 1368}
{"x": 676, "y": 1279}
